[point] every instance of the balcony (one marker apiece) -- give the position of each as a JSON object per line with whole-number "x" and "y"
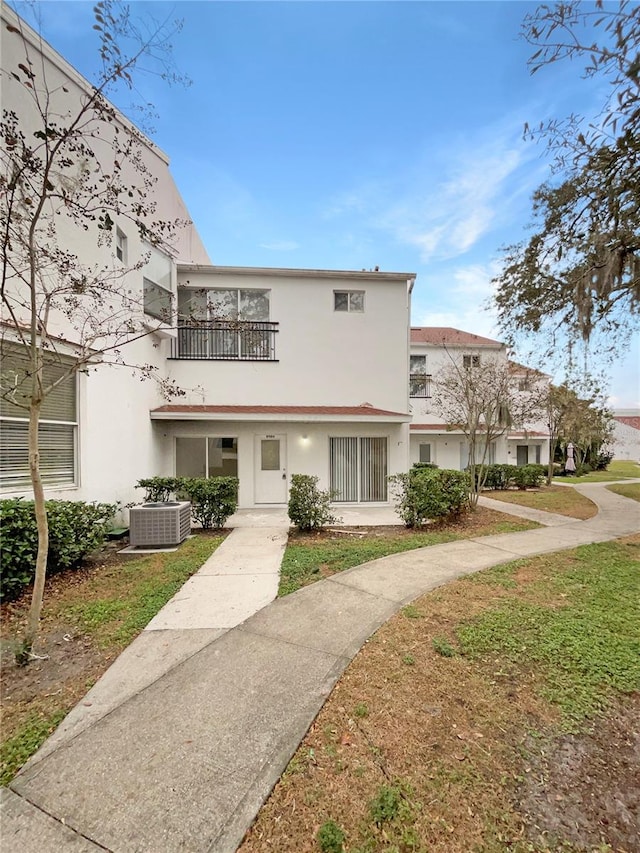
{"x": 226, "y": 340}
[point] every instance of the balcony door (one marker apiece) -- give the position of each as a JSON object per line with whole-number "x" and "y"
{"x": 270, "y": 453}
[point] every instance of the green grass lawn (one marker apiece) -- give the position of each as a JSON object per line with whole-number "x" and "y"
{"x": 312, "y": 559}
{"x": 627, "y": 490}
{"x": 618, "y": 470}
{"x": 101, "y": 610}
{"x": 465, "y": 705}
{"x": 558, "y": 499}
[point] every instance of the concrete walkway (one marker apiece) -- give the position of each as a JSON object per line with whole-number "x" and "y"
{"x": 183, "y": 762}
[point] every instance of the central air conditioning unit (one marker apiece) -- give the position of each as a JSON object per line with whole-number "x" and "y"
{"x": 156, "y": 525}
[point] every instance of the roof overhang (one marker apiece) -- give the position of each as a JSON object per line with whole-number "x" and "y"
{"x": 281, "y": 414}
{"x": 291, "y": 272}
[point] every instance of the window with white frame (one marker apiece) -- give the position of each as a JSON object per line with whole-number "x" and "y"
{"x": 348, "y": 300}
{"x": 419, "y": 379}
{"x": 157, "y": 287}
{"x": 206, "y": 456}
{"x": 470, "y": 360}
{"x": 57, "y": 433}
{"x": 225, "y": 323}
{"x": 121, "y": 246}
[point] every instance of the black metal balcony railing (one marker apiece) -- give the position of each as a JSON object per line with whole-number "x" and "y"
{"x": 233, "y": 340}
{"x": 419, "y": 385}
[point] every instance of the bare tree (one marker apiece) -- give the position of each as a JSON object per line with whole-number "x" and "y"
{"x": 483, "y": 401}
{"x": 70, "y": 167}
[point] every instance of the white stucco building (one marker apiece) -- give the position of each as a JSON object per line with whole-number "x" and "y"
{"x": 289, "y": 371}
{"x": 433, "y": 349}
{"x": 626, "y": 434}
{"x": 284, "y": 371}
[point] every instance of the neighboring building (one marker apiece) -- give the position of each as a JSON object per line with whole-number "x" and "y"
{"x": 96, "y": 436}
{"x": 432, "y": 350}
{"x": 626, "y": 434}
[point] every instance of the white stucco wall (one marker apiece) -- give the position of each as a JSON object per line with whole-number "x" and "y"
{"x": 626, "y": 440}
{"x": 324, "y": 357}
{"x": 115, "y": 440}
{"x": 308, "y": 455}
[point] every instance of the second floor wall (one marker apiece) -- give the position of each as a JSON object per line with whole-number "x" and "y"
{"x": 292, "y": 337}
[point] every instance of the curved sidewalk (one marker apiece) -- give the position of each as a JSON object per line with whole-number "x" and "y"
{"x": 185, "y": 763}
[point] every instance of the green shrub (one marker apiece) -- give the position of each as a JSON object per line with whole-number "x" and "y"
{"x": 498, "y": 476}
{"x": 309, "y": 507}
{"x": 213, "y": 500}
{"x": 528, "y": 476}
{"x": 330, "y": 836}
{"x": 603, "y": 460}
{"x": 159, "y": 489}
{"x": 583, "y": 469}
{"x": 419, "y": 465}
{"x": 75, "y": 529}
{"x": 427, "y": 493}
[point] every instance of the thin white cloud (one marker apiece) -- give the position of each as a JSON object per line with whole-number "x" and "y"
{"x": 458, "y": 193}
{"x": 451, "y": 216}
{"x": 281, "y": 246}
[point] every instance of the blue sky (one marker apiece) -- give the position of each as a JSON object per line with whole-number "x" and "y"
{"x": 353, "y": 134}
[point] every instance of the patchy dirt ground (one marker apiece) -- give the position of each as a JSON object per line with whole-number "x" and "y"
{"x": 588, "y": 787}
{"x": 468, "y": 524}
{"x": 68, "y": 663}
{"x": 558, "y": 499}
{"x": 69, "y": 659}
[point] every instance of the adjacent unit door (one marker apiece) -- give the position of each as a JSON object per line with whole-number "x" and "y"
{"x": 522, "y": 454}
{"x": 271, "y": 474}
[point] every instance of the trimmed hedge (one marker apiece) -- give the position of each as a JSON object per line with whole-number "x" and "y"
{"x": 508, "y": 476}
{"x": 429, "y": 493}
{"x": 213, "y": 499}
{"x": 76, "y": 529}
{"x": 308, "y": 505}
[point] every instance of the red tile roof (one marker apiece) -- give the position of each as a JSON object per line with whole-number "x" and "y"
{"x": 628, "y": 420}
{"x": 515, "y": 367}
{"x": 445, "y": 428}
{"x": 363, "y": 410}
{"x": 434, "y": 427}
{"x": 447, "y": 335}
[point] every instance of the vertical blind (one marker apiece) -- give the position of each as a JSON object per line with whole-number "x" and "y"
{"x": 358, "y": 468}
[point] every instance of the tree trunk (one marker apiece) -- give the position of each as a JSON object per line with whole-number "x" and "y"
{"x": 35, "y": 609}
{"x": 552, "y": 453}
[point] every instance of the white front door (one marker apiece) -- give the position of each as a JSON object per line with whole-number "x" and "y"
{"x": 271, "y": 469}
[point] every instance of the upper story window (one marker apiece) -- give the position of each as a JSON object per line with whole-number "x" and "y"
{"x": 348, "y": 300}
{"x": 419, "y": 379}
{"x": 157, "y": 289}
{"x": 224, "y": 304}
{"x": 469, "y": 361}
{"x": 524, "y": 383}
{"x": 231, "y": 324}
{"x": 57, "y": 432}
{"x": 121, "y": 246}
{"x": 158, "y": 301}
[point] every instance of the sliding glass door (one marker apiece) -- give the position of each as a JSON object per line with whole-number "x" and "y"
{"x": 358, "y": 467}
